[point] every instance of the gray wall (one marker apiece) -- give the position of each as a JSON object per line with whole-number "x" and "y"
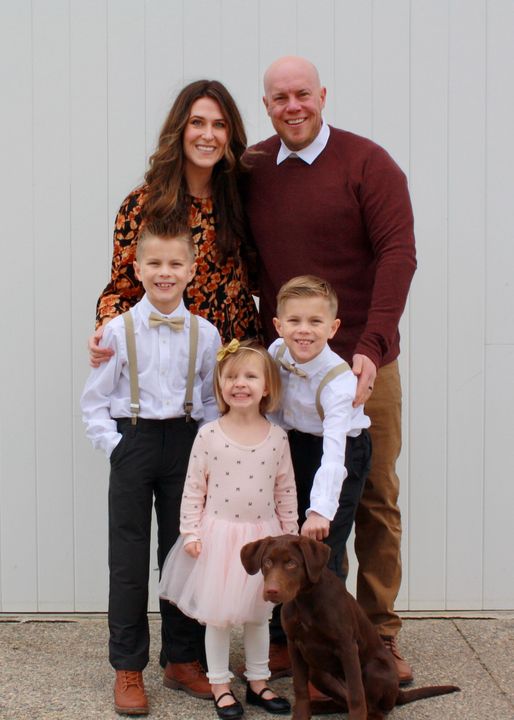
{"x": 85, "y": 87}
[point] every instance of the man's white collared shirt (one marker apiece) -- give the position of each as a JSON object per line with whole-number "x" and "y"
{"x": 309, "y": 153}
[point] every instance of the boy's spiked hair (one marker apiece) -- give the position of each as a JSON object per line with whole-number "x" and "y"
{"x": 304, "y": 286}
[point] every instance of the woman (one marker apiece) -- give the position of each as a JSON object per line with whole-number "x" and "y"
{"x": 193, "y": 178}
{"x": 192, "y": 182}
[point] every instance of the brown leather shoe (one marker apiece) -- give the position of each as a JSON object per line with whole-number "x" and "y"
{"x": 129, "y": 693}
{"x": 316, "y": 694}
{"x": 279, "y": 661}
{"x": 189, "y": 677}
{"x": 403, "y": 668}
{"x": 323, "y": 704}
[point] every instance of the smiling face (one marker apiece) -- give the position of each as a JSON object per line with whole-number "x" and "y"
{"x": 165, "y": 266}
{"x": 294, "y": 100}
{"x": 306, "y": 324}
{"x": 205, "y": 135}
{"x": 243, "y": 382}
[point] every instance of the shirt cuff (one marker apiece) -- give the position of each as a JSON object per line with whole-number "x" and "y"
{"x": 110, "y": 442}
{"x": 326, "y": 489}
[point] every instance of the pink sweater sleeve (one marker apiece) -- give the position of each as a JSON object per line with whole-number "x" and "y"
{"x": 194, "y": 493}
{"x": 286, "y": 504}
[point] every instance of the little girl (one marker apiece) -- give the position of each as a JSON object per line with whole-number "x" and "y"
{"x": 239, "y": 488}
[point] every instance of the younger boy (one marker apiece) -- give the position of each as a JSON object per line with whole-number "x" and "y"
{"x": 330, "y": 446}
{"x": 142, "y": 408}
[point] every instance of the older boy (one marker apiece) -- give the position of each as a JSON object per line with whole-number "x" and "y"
{"x": 142, "y": 408}
{"x": 330, "y": 446}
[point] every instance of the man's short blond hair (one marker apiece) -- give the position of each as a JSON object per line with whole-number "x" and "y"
{"x": 306, "y": 286}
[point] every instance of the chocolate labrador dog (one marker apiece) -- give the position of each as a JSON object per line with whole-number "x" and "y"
{"x": 330, "y": 640}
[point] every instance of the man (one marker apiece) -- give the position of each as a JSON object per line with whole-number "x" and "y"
{"x": 333, "y": 204}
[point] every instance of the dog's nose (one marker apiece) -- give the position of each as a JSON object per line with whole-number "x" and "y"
{"x": 271, "y": 594}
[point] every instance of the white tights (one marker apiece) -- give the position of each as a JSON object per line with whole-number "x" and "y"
{"x": 256, "y": 646}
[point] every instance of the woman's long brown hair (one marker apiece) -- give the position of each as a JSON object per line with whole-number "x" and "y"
{"x": 167, "y": 197}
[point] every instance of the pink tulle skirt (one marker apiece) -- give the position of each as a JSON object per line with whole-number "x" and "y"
{"x": 214, "y": 588}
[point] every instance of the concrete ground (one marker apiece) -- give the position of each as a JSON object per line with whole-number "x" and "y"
{"x": 56, "y": 668}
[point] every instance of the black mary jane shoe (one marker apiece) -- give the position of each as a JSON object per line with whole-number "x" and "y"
{"x": 276, "y": 705}
{"x": 229, "y": 712}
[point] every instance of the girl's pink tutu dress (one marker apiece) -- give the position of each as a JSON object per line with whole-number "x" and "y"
{"x": 233, "y": 494}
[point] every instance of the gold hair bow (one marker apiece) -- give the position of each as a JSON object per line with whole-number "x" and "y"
{"x": 232, "y": 347}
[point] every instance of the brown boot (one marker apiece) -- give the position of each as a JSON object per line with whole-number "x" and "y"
{"x": 279, "y": 661}
{"x": 403, "y": 668}
{"x": 189, "y": 677}
{"x": 129, "y": 693}
{"x": 322, "y": 704}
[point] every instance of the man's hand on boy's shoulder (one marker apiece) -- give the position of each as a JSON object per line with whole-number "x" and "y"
{"x": 366, "y": 372}
{"x": 315, "y": 527}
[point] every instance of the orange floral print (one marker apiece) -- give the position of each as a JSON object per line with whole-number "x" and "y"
{"x": 219, "y": 293}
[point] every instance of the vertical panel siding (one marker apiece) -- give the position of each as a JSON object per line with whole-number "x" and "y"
{"x": 92, "y": 85}
{"x": 202, "y": 34}
{"x": 126, "y": 97}
{"x": 498, "y": 576}
{"x": 91, "y": 227}
{"x": 429, "y": 305}
{"x": 164, "y": 64}
{"x": 466, "y": 302}
{"x": 353, "y": 75}
{"x": 240, "y": 60}
{"x": 52, "y": 309}
{"x": 391, "y": 129}
{"x": 500, "y": 172}
{"x": 18, "y": 491}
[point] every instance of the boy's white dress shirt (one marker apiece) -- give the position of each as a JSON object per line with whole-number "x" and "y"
{"x": 298, "y": 412}
{"x": 162, "y": 362}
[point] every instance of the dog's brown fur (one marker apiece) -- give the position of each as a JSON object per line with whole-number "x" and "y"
{"x": 330, "y": 640}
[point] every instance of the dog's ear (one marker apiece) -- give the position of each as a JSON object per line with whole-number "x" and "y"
{"x": 315, "y": 555}
{"x": 251, "y": 555}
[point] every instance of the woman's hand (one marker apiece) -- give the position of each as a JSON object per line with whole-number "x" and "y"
{"x": 97, "y": 354}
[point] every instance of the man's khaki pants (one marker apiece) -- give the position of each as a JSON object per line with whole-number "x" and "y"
{"x": 378, "y": 522}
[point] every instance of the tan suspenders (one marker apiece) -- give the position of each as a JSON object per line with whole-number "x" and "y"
{"x": 331, "y": 374}
{"x": 132, "y": 361}
{"x": 193, "y": 347}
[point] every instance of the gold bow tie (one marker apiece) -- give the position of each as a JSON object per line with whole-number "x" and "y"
{"x": 175, "y": 323}
{"x": 292, "y": 368}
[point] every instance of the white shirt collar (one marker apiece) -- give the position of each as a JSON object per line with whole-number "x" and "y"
{"x": 312, "y": 366}
{"x": 307, "y": 154}
{"x": 146, "y": 307}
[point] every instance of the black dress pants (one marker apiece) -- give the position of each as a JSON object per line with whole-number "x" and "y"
{"x": 149, "y": 464}
{"x": 306, "y": 454}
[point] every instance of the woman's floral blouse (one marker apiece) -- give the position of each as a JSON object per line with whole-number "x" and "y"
{"x": 219, "y": 291}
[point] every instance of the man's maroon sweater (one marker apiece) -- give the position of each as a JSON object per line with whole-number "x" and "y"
{"x": 346, "y": 218}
